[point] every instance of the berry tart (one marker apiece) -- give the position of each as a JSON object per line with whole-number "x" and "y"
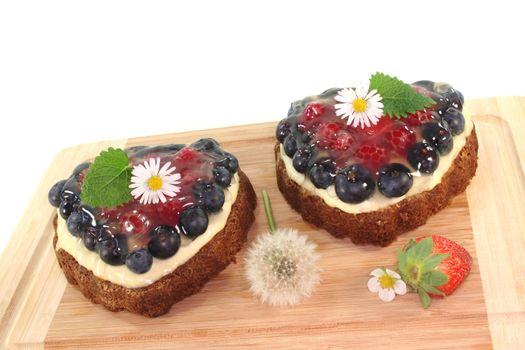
{"x": 143, "y": 228}
{"x": 377, "y": 160}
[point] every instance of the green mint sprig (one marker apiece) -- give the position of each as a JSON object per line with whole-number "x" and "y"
{"x": 399, "y": 98}
{"x": 107, "y": 181}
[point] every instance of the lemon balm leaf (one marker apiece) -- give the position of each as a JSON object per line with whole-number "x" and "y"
{"x": 106, "y": 183}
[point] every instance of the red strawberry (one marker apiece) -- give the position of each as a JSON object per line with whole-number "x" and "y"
{"x": 420, "y": 117}
{"x": 373, "y": 155}
{"x": 433, "y": 266}
{"x": 400, "y": 137}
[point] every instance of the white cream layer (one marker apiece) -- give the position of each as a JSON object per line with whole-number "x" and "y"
{"x": 377, "y": 201}
{"x": 121, "y": 274}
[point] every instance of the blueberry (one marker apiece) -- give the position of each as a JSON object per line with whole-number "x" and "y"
{"x": 55, "y": 193}
{"x": 322, "y": 173}
{"x": 283, "y": 130}
{"x": 193, "y": 222}
{"x": 354, "y": 184}
{"x": 301, "y": 159}
{"x": 68, "y": 205}
{"x": 426, "y": 84}
{"x": 80, "y": 220}
{"x": 139, "y": 261}
{"x": 207, "y": 195}
{"x": 89, "y": 237}
{"x": 439, "y": 135}
{"x": 423, "y": 157}
{"x": 394, "y": 180}
{"x": 455, "y": 98}
{"x": 80, "y": 168}
{"x": 71, "y": 188}
{"x": 222, "y": 176}
{"x": 164, "y": 241}
{"x": 113, "y": 250}
{"x": 455, "y": 120}
{"x": 207, "y": 144}
{"x": 229, "y": 162}
{"x": 290, "y": 145}
{"x": 330, "y": 92}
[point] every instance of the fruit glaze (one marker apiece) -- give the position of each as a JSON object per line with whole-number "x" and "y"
{"x": 135, "y": 244}
{"x": 364, "y": 169}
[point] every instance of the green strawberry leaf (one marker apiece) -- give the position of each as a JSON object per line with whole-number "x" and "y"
{"x": 424, "y": 297}
{"x": 107, "y": 181}
{"x": 399, "y": 99}
{"x": 429, "y": 289}
{"x": 435, "y": 278}
{"x": 434, "y": 260}
{"x": 423, "y": 248}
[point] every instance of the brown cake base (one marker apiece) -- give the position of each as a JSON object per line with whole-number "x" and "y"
{"x": 157, "y": 298}
{"x": 381, "y": 227}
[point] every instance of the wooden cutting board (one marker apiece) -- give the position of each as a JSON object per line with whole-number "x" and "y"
{"x": 39, "y": 309}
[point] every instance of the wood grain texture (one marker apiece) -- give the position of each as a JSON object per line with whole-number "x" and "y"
{"x": 38, "y": 309}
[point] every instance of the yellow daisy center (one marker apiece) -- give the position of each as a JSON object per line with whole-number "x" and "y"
{"x": 359, "y": 105}
{"x": 155, "y": 183}
{"x": 386, "y": 281}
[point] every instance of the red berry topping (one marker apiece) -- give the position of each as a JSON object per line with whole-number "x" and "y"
{"x": 420, "y": 117}
{"x": 187, "y": 154}
{"x": 373, "y": 155}
{"x": 344, "y": 141}
{"x": 376, "y": 129}
{"x": 169, "y": 211}
{"x": 313, "y": 111}
{"x": 326, "y": 136}
{"x": 136, "y": 221}
{"x": 400, "y": 137}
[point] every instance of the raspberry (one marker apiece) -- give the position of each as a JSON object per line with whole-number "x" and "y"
{"x": 400, "y": 137}
{"x": 313, "y": 111}
{"x": 381, "y": 125}
{"x": 373, "y": 155}
{"x": 310, "y": 120}
{"x": 187, "y": 154}
{"x": 326, "y": 136}
{"x": 136, "y": 222}
{"x": 169, "y": 211}
{"x": 344, "y": 141}
{"x": 420, "y": 117}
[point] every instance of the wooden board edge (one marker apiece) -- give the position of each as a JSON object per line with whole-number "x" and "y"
{"x": 498, "y": 238}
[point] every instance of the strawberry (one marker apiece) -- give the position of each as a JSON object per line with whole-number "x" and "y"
{"x": 433, "y": 266}
{"x": 399, "y": 138}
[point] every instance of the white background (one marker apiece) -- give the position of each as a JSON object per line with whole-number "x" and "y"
{"x": 74, "y": 72}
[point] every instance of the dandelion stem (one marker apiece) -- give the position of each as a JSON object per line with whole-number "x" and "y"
{"x": 268, "y": 211}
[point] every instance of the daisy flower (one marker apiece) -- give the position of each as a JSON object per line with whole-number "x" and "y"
{"x": 386, "y": 283}
{"x": 360, "y": 106}
{"x": 152, "y": 183}
{"x": 281, "y": 265}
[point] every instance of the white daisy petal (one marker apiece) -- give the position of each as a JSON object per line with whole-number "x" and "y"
{"x": 373, "y": 285}
{"x": 400, "y": 287}
{"x": 141, "y": 175}
{"x": 387, "y": 294}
